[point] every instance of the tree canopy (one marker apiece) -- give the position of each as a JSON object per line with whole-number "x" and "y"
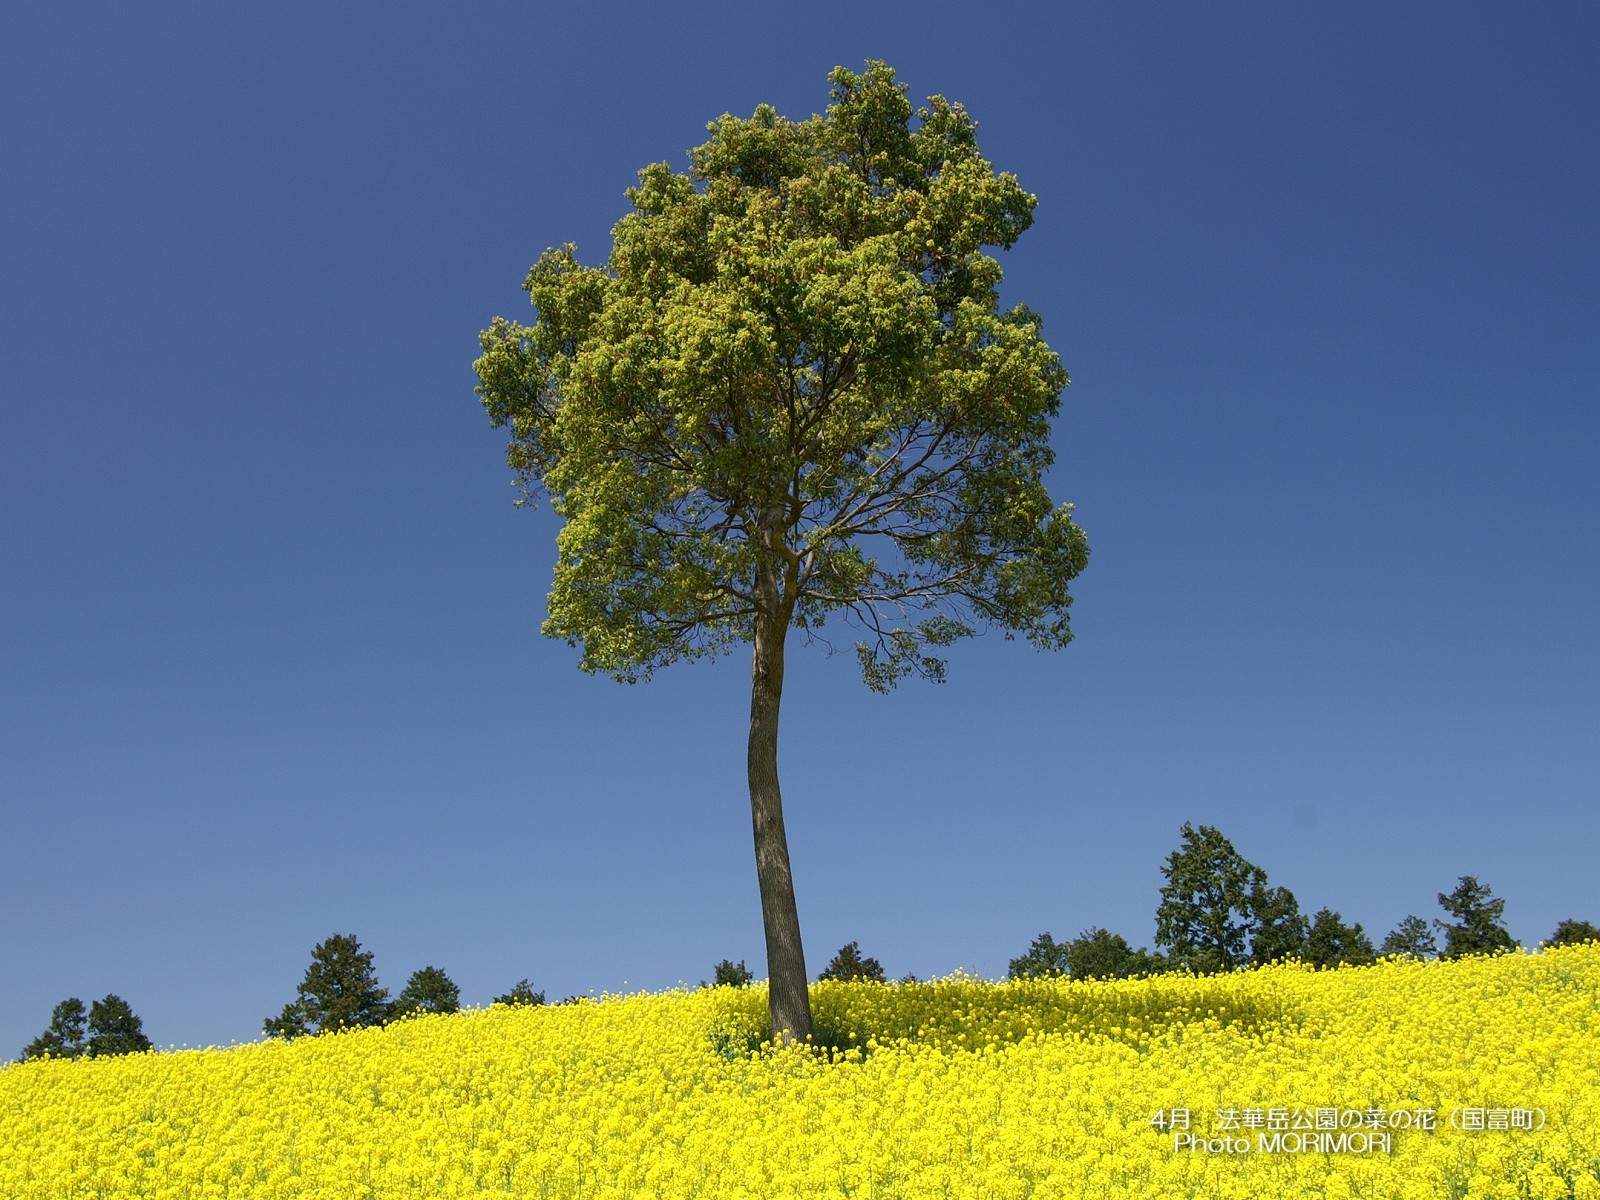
{"x": 429, "y": 990}
{"x": 107, "y": 1027}
{"x": 791, "y": 394}
{"x": 1477, "y": 928}
{"x": 728, "y": 973}
{"x": 795, "y": 355}
{"x": 340, "y": 990}
{"x": 1332, "y": 943}
{"x": 1571, "y": 932}
{"x": 64, "y": 1038}
{"x": 1412, "y": 938}
{"x": 848, "y": 964}
{"x": 1217, "y": 911}
{"x": 521, "y": 993}
{"x": 1095, "y": 953}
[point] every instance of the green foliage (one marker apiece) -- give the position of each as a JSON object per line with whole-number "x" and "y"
{"x": 1477, "y": 928}
{"x": 521, "y": 993}
{"x": 1217, "y": 910}
{"x": 1100, "y": 954}
{"x": 1094, "y": 954}
{"x": 790, "y": 395}
{"x": 1280, "y": 931}
{"x": 1411, "y": 938}
{"x": 340, "y": 990}
{"x": 794, "y": 355}
{"x": 114, "y": 1029}
{"x": 108, "y": 1028}
{"x": 727, "y": 973}
{"x": 1045, "y": 957}
{"x": 65, "y": 1038}
{"x": 429, "y": 990}
{"x": 848, "y": 964}
{"x": 1332, "y": 943}
{"x": 1573, "y": 933}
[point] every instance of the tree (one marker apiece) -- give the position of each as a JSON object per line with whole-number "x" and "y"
{"x": 109, "y": 1027}
{"x": 1477, "y": 928}
{"x": 1411, "y": 938}
{"x": 340, "y": 990}
{"x": 791, "y": 394}
{"x": 65, "y": 1036}
{"x": 429, "y": 990}
{"x": 1280, "y": 931}
{"x": 1574, "y": 933}
{"x": 521, "y": 993}
{"x": 1100, "y": 954}
{"x": 849, "y": 965}
{"x": 1332, "y": 943}
{"x": 727, "y": 973}
{"x": 114, "y": 1028}
{"x": 1045, "y": 957}
{"x": 1217, "y": 911}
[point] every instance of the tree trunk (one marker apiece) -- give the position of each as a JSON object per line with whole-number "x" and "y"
{"x": 787, "y": 1000}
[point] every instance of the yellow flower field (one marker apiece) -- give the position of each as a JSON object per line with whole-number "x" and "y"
{"x": 1478, "y": 1078}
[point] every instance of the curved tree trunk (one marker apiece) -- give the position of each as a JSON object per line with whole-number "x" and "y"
{"x": 787, "y": 999}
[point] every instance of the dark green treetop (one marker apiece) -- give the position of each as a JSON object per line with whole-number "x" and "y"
{"x": 521, "y": 993}
{"x": 1411, "y": 938}
{"x": 114, "y": 1028}
{"x": 66, "y": 1034}
{"x": 109, "y": 1027}
{"x": 1217, "y": 911}
{"x": 1332, "y": 943}
{"x": 340, "y": 990}
{"x": 1100, "y": 954}
{"x": 1574, "y": 933}
{"x": 1045, "y": 957}
{"x": 429, "y": 990}
{"x": 848, "y": 964}
{"x": 728, "y": 973}
{"x": 1477, "y": 928}
{"x": 1281, "y": 930}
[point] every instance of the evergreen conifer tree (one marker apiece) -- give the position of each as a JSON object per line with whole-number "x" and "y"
{"x": 521, "y": 993}
{"x": 1478, "y": 928}
{"x": 1411, "y": 938}
{"x": 340, "y": 990}
{"x": 1332, "y": 943}
{"x": 429, "y": 990}
{"x": 1573, "y": 933}
{"x": 65, "y": 1036}
{"x": 114, "y": 1028}
{"x": 1045, "y": 957}
{"x": 848, "y": 964}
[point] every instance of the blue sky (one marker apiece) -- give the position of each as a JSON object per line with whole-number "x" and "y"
{"x": 1327, "y": 281}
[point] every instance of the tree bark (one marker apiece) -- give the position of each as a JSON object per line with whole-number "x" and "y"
{"x": 788, "y": 1002}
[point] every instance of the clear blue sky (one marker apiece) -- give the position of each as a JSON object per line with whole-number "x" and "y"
{"x": 1327, "y": 280}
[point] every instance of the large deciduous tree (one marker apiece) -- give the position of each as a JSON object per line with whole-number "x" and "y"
{"x": 791, "y": 394}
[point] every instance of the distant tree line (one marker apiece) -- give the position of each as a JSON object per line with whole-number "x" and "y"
{"x": 1217, "y": 913}
{"x": 107, "y": 1027}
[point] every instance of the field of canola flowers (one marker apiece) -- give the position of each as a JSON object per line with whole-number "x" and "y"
{"x": 953, "y": 1088}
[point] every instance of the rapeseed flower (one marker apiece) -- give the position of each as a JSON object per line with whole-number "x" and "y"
{"x": 1407, "y": 1079}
